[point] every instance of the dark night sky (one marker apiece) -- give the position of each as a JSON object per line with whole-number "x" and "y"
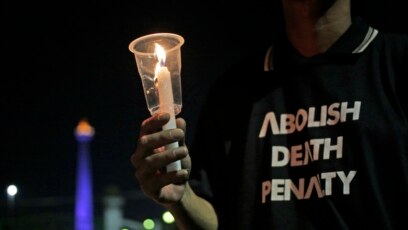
{"x": 65, "y": 61}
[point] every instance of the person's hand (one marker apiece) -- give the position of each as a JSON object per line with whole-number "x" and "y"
{"x": 150, "y": 160}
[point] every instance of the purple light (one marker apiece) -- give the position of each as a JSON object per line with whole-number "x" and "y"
{"x": 84, "y": 193}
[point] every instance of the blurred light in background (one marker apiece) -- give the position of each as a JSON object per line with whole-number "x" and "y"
{"x": 148, "y": 224}
{"x": 167, "y": 217}
{"x": 12, "y": 190}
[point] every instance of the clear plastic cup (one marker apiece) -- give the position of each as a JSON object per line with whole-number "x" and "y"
{"x": 146, "y": 60}
{"x": 158, "y": 60}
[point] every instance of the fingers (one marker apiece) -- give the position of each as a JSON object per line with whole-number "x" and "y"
{"x": 151, "y": 163}
{"x": 151, "y": 179}
{"x": 181, "y": 124}
{"x": 146, "y": 157}
{"x": 154, "y": 123}
{"x": 162, "y": 180}
{"x": 156, "y": 140}
{"x": 151, "y": 140}
{"x": 166, "y": 188}
{"x": 158, "y": 161}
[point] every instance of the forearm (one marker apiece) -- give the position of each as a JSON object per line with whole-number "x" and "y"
{"x": 193, "y": 212}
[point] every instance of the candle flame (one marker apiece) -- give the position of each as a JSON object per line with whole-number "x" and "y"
{"x": 160, "y": 53}
{"x": 161, "y": 57}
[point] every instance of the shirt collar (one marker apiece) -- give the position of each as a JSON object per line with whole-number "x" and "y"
{"x": 355, "y": 40}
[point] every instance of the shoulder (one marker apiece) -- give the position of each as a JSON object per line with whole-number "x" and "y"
{"x": 393, "y": 42}
{"x": 391, "y": 52}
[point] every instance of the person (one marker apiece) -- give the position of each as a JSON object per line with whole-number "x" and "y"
{"x": 309, "y": 133}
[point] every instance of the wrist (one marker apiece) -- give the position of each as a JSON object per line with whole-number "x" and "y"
{"x": 185, "y": 198}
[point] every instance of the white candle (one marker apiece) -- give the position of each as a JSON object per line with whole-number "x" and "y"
{"x": 166, "y": 103}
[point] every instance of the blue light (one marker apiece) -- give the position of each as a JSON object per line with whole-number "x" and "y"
{"x": 84, "y": 193}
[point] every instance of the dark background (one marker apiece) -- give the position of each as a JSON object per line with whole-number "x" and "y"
{"x": 63, "y": 61}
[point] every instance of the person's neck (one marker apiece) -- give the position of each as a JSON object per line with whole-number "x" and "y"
{"x": 312, "y": 31}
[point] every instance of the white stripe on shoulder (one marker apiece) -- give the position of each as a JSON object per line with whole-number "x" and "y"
{"x": 268, "y": 61}
{"x": 371, "y": 34}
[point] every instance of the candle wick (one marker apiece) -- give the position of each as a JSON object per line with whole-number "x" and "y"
{"x": 161, "y": 62}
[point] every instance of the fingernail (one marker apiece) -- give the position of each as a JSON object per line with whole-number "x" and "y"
{"x": 163, "y": 116}
{"x": 179, "y": 152}
{"x": 176, "y": 134}
{"x": 184, "y": 172}
{"x": 143, "y": 139}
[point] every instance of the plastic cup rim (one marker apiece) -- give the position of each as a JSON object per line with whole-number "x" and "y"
{"x": 132, "y": 44}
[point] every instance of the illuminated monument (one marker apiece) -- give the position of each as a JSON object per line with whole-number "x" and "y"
{"x": 84, "y": 198}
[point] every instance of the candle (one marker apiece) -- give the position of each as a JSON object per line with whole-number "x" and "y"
{"x": 166, "y": 103}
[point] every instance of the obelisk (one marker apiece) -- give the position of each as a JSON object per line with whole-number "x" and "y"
{"x": 84, "y": 133}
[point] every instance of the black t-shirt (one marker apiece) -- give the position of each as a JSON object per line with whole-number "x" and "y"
{"x": 313, "y": 143}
